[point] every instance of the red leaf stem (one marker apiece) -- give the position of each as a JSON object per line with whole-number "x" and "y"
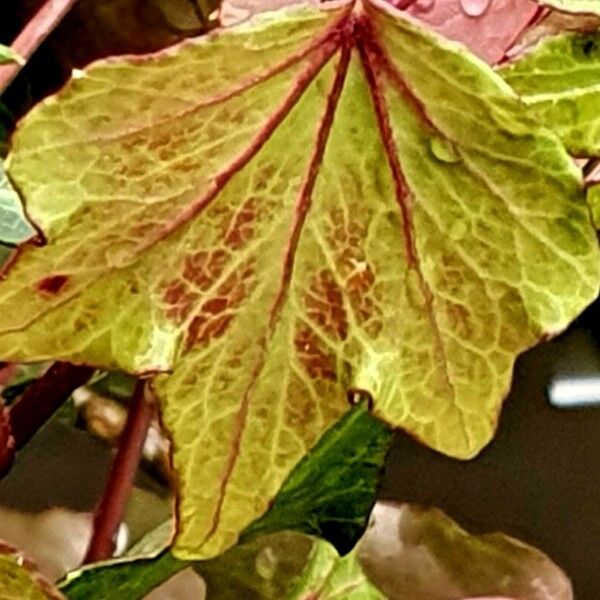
{"x": 110, "y": 510}
{"x": 37, "y": 404}
{"x": 35, "y": 32}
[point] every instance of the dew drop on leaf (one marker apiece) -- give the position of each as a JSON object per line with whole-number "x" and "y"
{"x": 444, "y": 150}
{"x": 474, "y": 8}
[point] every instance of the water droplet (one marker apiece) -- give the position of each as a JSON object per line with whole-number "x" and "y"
{"x": 424, "y": 5}
{"x": 474, "y": 8}
{"x": 444, "y": 150}
{"x": 458, "y": 230}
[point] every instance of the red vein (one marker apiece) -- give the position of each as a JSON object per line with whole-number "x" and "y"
{"x": 220, "y": 180}
{"x": 323, "y": 53}
{"x": 374, "y": 62}
{"x": 302, "y": 208}
{"x": 329, "y": 34}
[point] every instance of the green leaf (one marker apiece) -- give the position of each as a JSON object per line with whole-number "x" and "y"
{"x": 19, "y": 579}
{"x": 591, "y": 7}
{"x": 420, "y": 553}
{"x": 14, "y": 226}
{"x": 328, "y": 577}
{"x": 264, "y": 568}
{"x": 594, "y": 202}
{"x": 7, "y": 55}
{"x": 123, "y": 579}
{"x": 560, "y": 80}
{"x": 319, "y": 200}
{"x": 330, "y": 493}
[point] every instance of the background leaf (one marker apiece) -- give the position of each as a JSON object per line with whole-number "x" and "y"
{"x": 421, "y": 554}
{"x": 488, "y": 28}
{"x": 560, "y": 80}
{"x": 14, "y": 226}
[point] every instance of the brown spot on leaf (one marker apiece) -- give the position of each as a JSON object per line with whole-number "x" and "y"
{"x": 325, "y": 304}
{"x": 52, "y": 285}
{"x": 216, "y": 314}
{"x": 240, "y": 229}
{"x": 318, "y": 363}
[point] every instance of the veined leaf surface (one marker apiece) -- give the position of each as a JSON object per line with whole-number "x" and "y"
{"x": 560, "y": 80}
{"x": 316, "y": 201}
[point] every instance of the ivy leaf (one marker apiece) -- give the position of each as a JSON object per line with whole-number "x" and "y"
{"x": 14, "y": 226}
{"x": 589, "y": 7}
{"x": 488, "y": 27}
{"x": 330, "y": 494}
{"x": 19, "y": 579}
{"x": 320, "y": 200}
{"x": 421, "y": 554}
{"x": 560, "y": 80}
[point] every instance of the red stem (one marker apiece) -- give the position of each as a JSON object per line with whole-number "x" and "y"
{"x": 111, "y": 509}
{"x": 35, "y": 32}
{"x": 37, "y": 404}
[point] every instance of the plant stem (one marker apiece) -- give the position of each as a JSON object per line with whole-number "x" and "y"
{"x": 35, "y": 32}
{"x": 37, "y": 404}
{"x": 111, "y": 508}
{"x": 43, "y": 398}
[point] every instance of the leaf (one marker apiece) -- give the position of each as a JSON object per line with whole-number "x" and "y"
{"x": 560, "y": 80}
{"x": 594, "y": 202}
{"x": 263, "y": 568}
{"x": 14, "y": 226}
{"x": 590, "y": 7}
{"x": 7, "y": 55}
{"x": 488, "y": 27}
{"x": 329, "y": 493}
{"x": 19, "y": 579}
{"x": 421, "y": 554}
{"x": 327, "y": 576}
{"x": 319, "y": 200}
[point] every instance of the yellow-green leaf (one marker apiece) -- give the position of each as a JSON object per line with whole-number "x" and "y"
{"x": 20, "y": 581}
{"x": 590, "y": 7}
{"x": 560, "y": 80}
{"x": 594, "y": 202}
{"x": 319, "y": 200}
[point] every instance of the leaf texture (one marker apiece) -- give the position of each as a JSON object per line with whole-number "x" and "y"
{"x": 560, "y": 80}
{"x": 316, "y": 201}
